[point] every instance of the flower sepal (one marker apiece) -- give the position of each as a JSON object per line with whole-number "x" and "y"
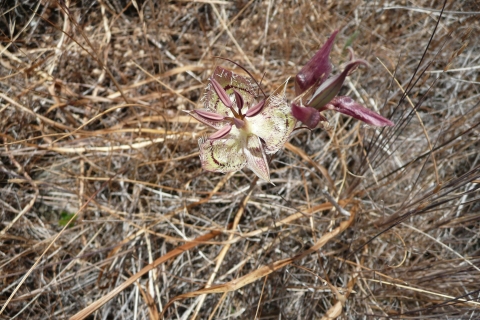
{"x": 309, "y": 116}
{"x": 317, "y": 69}
{"x": 349, "y": 107}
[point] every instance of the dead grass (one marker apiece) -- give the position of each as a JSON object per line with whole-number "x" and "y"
{"x": 91, "y": 95}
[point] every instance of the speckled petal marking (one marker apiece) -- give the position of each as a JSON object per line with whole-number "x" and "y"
{"x": 222, "y": 155}
{"x": 275, "y": 123}
{"x": 229, "y": 81}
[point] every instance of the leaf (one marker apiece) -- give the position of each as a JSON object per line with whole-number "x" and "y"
{"x": 350, "y": 40}
{"x": 65, "y": 218}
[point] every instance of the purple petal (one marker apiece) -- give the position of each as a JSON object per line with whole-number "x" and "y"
{"x": 317, "y": 69}
{"x": 221, "y": 133}
{"x": 348, "y": 106}
{"x": 308, "y": 116}
{"x": 222, "y": 94}
{"x": 330, "y": 88}
{"x": 253, "y": 111}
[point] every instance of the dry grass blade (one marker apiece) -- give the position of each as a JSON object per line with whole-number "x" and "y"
{"x": 265, "y": 270}
{"x": 181, "y": 249}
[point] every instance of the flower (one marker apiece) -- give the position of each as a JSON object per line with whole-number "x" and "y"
{"x": 313, "y": 86}
{"x": 246, "y": 130}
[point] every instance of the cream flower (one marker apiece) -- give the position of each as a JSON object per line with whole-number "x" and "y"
{"x": 246, "y": 130}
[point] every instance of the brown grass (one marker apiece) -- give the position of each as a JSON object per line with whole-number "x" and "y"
{"x": 91, "y": 100}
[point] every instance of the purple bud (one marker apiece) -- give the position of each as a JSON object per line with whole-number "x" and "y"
{"x": 308, "y": 116}
{"x": 253, "y": 111}
{"x": 238, "y": 100}
{"x": 317, "y": 70}
{"x": 330, "y": 88}
{"x": 212, "y": 116}
{"x": 221, "y": 133}
{"x": 348, "y": 106}
{"x": 222, "y": 94}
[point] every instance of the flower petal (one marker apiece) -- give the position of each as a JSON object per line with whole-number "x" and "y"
{"x": 348, "y": 106}
{"x": 256, "y": 159}
{"x": 317, "y": 70}
{"x": 275, "y": 122}
{"x": 223, "y": 155}
{"x": 330, "y": 88}
{"x": 228, "y": 81}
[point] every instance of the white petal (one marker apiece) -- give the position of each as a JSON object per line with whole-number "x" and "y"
{"x": 256, "y": 159}
{"x": 223, "y": 155}
{"x": 229, "y": 81}
{"x": 275, "y": 123}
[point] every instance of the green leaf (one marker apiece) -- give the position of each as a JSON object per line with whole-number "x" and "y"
{"x": 65, "y": 218}
{"x": 350, "y": 40}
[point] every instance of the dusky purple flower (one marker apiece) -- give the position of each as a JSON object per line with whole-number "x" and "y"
{"x": 317, "y": 92}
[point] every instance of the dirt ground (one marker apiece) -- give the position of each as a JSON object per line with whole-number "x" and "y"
{"x": 360, "y": 222}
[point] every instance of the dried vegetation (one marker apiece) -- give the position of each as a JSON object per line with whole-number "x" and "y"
{"x": 91, "y": 100}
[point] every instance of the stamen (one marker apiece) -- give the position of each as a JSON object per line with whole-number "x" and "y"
{"x": 222, "y": 94}
{"x": 209, "y": 115}
{"x": 253, "y": 111}
{"x": 238, "y": 100}
{"x": 221, "y": 133}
